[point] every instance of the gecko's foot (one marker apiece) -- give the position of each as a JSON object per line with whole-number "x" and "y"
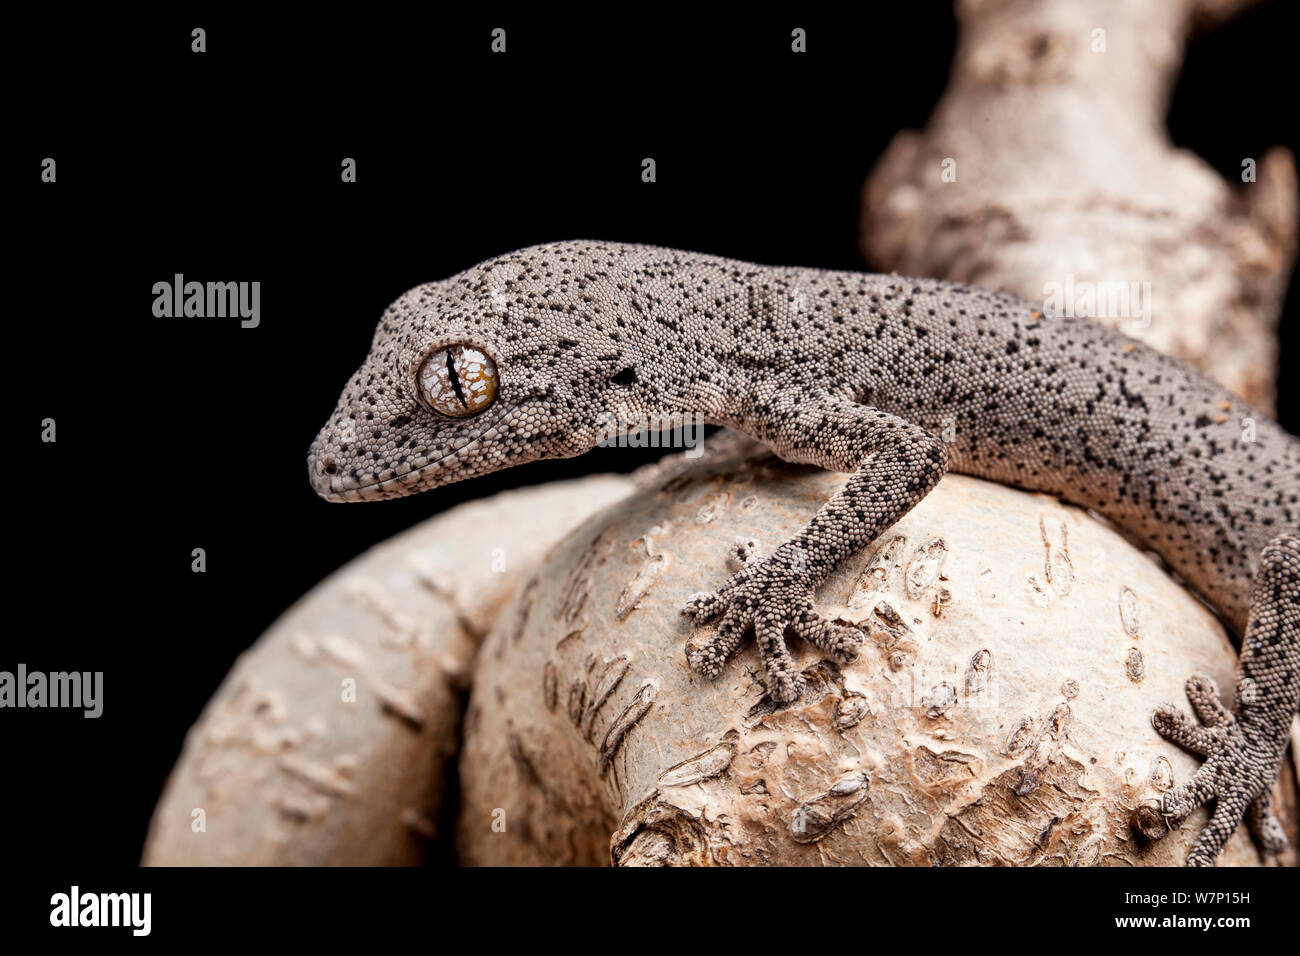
{"x": 1238, "y": 774}
{"x": 772, "y": 596}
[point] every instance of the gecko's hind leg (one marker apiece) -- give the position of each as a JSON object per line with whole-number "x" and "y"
{"x": 1243, "y": 747}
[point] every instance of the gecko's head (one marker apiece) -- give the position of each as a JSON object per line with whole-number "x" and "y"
{"x": 511, "y": 361}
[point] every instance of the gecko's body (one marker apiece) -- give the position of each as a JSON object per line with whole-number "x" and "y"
{"x": 893, "y": 379}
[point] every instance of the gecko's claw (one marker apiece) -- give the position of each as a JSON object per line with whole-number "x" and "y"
{"x": 772, "y": 596}
{"x": 1233, "y": 775}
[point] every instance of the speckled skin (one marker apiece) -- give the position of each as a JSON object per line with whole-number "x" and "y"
{"x": 895, "y": 380}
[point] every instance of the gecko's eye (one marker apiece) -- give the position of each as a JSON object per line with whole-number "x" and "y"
{"x": 458, "y": 381}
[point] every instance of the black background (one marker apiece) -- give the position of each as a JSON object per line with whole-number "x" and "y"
{"x": 178, "y": 434}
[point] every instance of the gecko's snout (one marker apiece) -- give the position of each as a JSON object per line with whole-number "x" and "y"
{"x": 336, "y": 477}
{"x": 324, "y": 473}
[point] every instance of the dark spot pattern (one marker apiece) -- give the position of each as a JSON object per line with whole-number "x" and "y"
{"x": 893, "y": 379}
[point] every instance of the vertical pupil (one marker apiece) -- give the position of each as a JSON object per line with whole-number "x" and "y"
{"x": 455, "y": 379}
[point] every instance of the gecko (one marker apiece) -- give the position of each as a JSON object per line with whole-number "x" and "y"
{"x": 892, "y": 380}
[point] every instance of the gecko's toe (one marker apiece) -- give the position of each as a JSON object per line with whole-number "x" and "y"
{"x": 1176, "y": 805}
{"x": 840, "y": 641}
{"x": 785, "y": 688}
{"x": 1156, "y": 819}
{"x": 1175, "y": 725}
{"x": 1201, "y": 856}
{"x": 704, "y": 607}
{"x": 1228, "y": 809}
{"x": 1203, "y": 693}
{"x": 784, "y": 681}
{"x": 709, "y": 657}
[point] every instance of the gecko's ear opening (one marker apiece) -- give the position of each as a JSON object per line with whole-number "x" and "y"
{"x": 625, "y": 379}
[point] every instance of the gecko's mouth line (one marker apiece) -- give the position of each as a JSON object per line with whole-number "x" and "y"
{"x": 401, "y": 485}
{"x": 407, "y": 481}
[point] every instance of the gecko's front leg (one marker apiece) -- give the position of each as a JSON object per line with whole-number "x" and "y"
{"x": 1243, "y": 748}
{"x": 895, "y": 464}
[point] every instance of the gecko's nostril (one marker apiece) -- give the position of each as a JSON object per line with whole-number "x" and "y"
{"x": 329, "y": 466}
